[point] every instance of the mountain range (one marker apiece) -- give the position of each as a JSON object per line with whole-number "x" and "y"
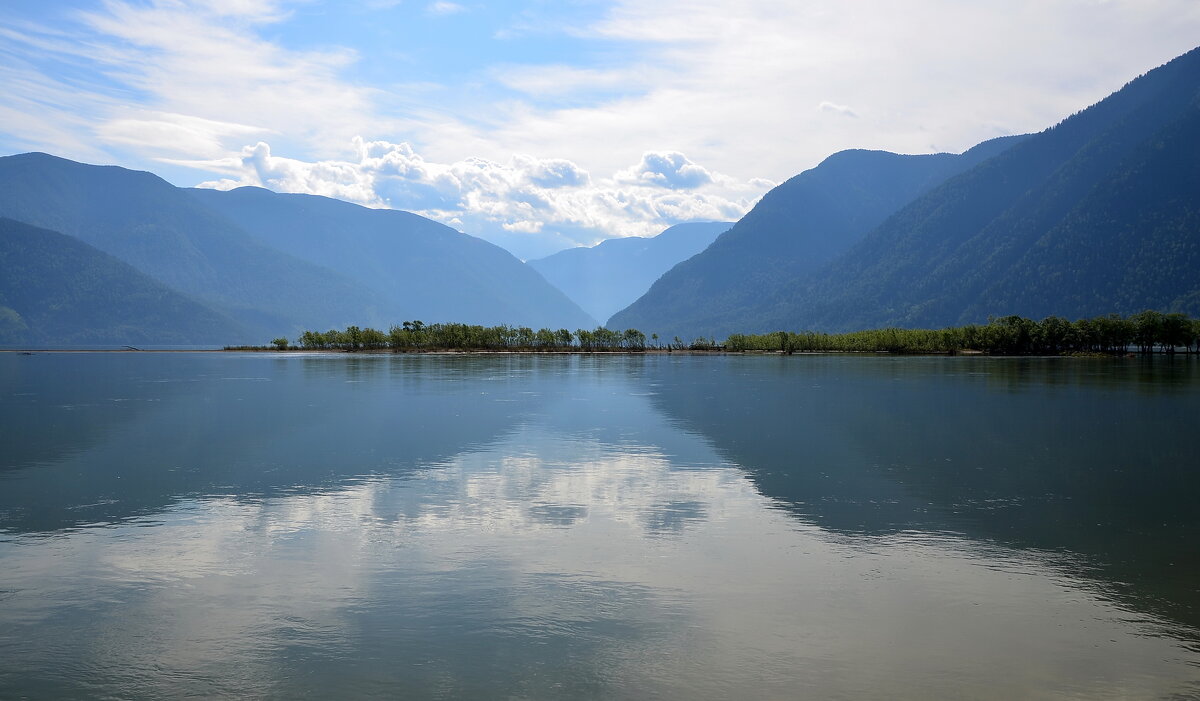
{"x": 797, "y": 227}
{"x": 281, "y": 263}
{"x": 57, "y": 289}
{"x": 1098, "y": 214}
{"x": 425, "y": 270}
{"x": 611, "y": 275}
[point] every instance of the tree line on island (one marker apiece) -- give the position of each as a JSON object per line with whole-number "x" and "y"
{"x": 416, "y": 335}
{"x": 1148, "y": 332}
{"x": 1010, "y": 335}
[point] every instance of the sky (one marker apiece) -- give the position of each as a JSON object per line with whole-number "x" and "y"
{"x": 541, "y": 124}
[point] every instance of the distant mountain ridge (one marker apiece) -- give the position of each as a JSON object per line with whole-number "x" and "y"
{"x": 798, "y": 226}
{"x": 427, "y": 270}
{"x": 57, "y": 289}
{"x": 609, "y": 276}
{"x": 1098, "y": 214}
{"x": 276, "y": 280}
{"x": 163, "y": 232}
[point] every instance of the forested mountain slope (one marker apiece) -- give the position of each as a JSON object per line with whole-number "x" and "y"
{"x": 279, "y": 264}
{"x": 795, "y": 228}
{"x": 1098, "y": 214}
{"x": 609, "y": 276}
{"x": 57, "y": 290}
{"x": 165, "y": 233}
{"x": 425, "y": 270}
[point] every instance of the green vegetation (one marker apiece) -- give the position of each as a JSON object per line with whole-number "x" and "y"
{"x": 1009, "y": 335}
{"x": 417, "y": 336}
{"x": 1148, "y": 332}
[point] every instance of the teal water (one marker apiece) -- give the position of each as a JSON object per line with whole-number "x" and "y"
{"x": 514, "y": 526}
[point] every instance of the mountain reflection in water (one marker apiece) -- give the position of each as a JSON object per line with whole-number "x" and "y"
{"x": 558, "y": 526}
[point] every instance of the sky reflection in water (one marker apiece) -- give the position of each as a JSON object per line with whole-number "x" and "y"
{"x": 549, "y": 527}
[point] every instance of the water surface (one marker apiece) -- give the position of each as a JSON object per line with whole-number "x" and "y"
{"x": 515, "y": 526}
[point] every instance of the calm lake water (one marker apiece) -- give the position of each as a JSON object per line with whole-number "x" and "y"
{"x": 514, "y": 526}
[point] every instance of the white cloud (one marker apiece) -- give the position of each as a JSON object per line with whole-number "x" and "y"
{"x": 524, "y": 227}
{"x": 441, "y": 7}
{"x": 553, "y": 173}
{"x": 844, "y": 110}
{"x": 193, "y": 78}
{"x": 667, "y": 169}
{"x": 530, "y": 205}
{"x": 734, "y": 82}
{"x": 252, "y": 10}
{"x": 730, "y": 83}
{"x": 175, "y": 135}
{"x": 328, "y": 178}
{"x": 558, "y": 80}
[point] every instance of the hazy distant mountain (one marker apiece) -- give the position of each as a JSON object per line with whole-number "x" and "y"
{"x": 55, "y": 289}
{"x": 165, "y": 233}
{"x": 426, "y": 270}
{"x": 1098, "y": 214}
{"x": 282, "y": 263}
{"x": 609, "y": 276}
{"x": 795, "y": 228}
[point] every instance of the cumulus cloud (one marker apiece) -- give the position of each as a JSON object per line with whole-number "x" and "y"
{"x": 553, "y": 173}
{"x": 669, "y": 169}
{"x": 533, "y": 206}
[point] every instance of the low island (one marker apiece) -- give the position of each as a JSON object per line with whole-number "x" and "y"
{"x": 1112, "y": 334}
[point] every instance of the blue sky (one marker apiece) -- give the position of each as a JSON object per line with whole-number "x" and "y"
{"x": 542, "y": 125}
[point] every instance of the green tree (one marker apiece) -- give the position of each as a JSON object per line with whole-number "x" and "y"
{"x": 1148, "y": 329}
{"x": 633, "y": 339}
{"x": 1175, "y": 331}
{"x": 373, "y": 338}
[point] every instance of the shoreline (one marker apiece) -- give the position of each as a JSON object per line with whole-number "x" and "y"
{"x": 387, "y": 351}
{"x": 647, "y": 351}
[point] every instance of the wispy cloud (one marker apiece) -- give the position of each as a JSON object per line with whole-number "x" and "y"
{"x": 732, "y": 83}
{"x": 835, "y": 108}
{"x": 175, "y": 135}
{"x": 174, "y": 77}
{"x": 557, "y": 80}
{"x": 442, "y": 7}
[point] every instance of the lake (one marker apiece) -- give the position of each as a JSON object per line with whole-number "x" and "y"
{"x": 572, "y": 526}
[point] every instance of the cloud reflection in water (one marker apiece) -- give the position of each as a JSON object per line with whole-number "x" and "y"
{"x": 561, "y": 558}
